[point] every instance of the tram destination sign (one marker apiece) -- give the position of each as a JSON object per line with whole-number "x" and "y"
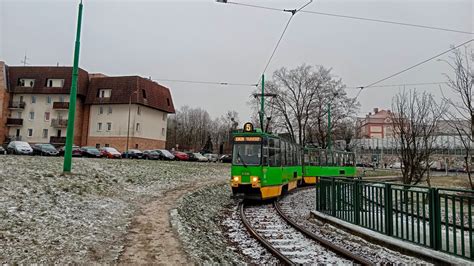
{"x": 247, "y": 139}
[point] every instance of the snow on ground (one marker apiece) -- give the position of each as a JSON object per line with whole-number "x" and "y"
{"x": 47, "y": 217}
{"x": 209, "y": 226}
{"x": 302, "y": 202}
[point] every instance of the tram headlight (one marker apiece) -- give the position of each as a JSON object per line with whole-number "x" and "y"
{"x": 255, "y": 179}
{"x": 236, "y": 178}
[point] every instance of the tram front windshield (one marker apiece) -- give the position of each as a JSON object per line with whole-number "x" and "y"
{"x": 247, "y": 154}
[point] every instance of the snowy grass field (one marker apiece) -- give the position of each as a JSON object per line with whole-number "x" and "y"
{"x": 47, "y": 217}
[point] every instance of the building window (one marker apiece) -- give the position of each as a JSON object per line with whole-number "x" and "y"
{"x": 168, "y": 100}
{"x": 56, "y": 83}
{"x": 48, "y": 99}
{"x": 30, "y": 132}
{"x": 139, "y": 111}
{"x": 162, "y": 131}
{"x": 106, "y": 145}
{"x": 137, "y": 128}
{"x": 136, "y": 146}
{"x": 99, "y": 126}
{"x": 18, "y": 115}
{"x": 101, "y": 110}
{"x": 26, "y": 83}
{"x": 109, "y": 126}
{"x": 45, "y": 133}
{"x": 97, "y": 145}
{"x": 104, "y": 93}
{"x": 164, "y": 116}
{"x": 61, "y": 98}
{"x": 33, "y": 99}
{"x": 144, "y": 94}
{"x": 46, "y": 116}
{"x": 109, "y": 110}
{"x": 32, "y": 115}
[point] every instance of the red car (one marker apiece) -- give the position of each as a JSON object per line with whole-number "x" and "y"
{"x": 110, "y": 153}
{"x": 180, "y": 156}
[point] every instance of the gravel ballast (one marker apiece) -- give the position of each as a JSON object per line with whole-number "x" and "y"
{"x": 83, "y": 217}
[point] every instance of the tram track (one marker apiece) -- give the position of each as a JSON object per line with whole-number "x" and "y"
{"x": 288, "y": 241}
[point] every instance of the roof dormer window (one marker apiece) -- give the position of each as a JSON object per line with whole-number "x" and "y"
{"x": 24, "y": 82}
{"x": 55, "y": 83}
{"x": 104, "y": 93}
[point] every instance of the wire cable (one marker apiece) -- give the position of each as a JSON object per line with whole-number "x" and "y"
{"x": 207, "y": 82}
{"x": 418, "y": 64}
{"x": 387, "y": 22}
{"x": 359, "y": 18}
{"x": 399, "y": 85}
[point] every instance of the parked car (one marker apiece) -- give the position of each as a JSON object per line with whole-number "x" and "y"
{"x": 90, "y": 152}
{"x": 19, "y": 147}
{"x": 200, "y": 157}
{"x": 165, "y": 155}
{"x": 111, "y": 153}
{"x": 2, "y": 150}
{"x": 180, "y": 156}
{"x": 76, "y": 151}
{"x": 226, "y": 158}
{"x": 133, "y": 154}
{"x": 45, "y": 149}
{"x": 396, "y": 165}
{"x": 192, "y": 157}
{"x": 211, "y": 157}
{"x": 151, "y": 155}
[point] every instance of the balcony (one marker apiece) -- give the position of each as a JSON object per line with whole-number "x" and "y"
{"x": 16, "y": 105}
{"x": 59, "y": 123}
{"x": 60, "y": 105}
{"x": 57, "y": 140}
{"x": 13, "y": 138}
{"x": 14, "y": 122}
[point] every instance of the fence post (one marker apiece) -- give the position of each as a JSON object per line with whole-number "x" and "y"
{"x": 435, "y": 218}
{"x": 333, "y": 196}
{"x": 356, "y": 202}
{"x": 388, "y": 209}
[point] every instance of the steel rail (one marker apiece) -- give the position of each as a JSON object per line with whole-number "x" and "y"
{"x": 331, "y": 246}
{"x": 261, "y": 239}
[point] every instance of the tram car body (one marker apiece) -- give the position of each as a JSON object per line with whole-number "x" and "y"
{"x": 266, "y": 166}
{"x": 327, "y": 163}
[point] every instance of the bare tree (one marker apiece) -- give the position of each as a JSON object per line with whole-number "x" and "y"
{"x": 300, "y": 107}
{"x": 461, "y": 115}
{"x": 415, "y": 117}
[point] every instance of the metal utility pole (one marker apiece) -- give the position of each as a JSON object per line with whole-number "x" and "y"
{"x": 262, "y": 103}
{"x": 72, "y": 97}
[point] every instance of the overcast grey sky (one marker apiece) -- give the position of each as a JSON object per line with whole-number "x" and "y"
{"x": 204, "y": 40}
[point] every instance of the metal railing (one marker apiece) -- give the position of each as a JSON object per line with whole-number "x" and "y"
{"x": 436, "y": 218}
{"x": 16, "y": 105}
{"x": 59, "y": 123}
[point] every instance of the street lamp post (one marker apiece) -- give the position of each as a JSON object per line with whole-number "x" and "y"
{"x": 72, "y": 97}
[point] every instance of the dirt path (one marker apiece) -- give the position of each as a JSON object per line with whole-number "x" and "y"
{"x": 151, "y": 239}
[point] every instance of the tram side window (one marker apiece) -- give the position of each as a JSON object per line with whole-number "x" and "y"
{"x": 323, "y": 158}
{"x": 298, "y": 155}
{"x": 265, "y": 152}
{"x": 307, "y": 156}
{"x": 274, "y": 152}
{"x": 283, "y": 152}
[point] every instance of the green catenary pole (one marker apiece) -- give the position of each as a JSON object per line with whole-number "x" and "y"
{"x": 72, "y": 98}
{"x": 262, "y": 103}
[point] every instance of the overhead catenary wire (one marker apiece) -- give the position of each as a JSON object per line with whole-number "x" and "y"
{"x": 207, "y": 82}
{"x": 399, "y": 23}
{"x": 293, "y": 12}
{"x": 416, "y": 65}
{"x": 401, "y": 85}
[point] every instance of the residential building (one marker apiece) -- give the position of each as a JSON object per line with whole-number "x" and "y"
{"x": 375, "y": 125}
{"x": 34, "y": 104}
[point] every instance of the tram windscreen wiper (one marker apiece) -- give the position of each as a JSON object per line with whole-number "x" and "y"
{"x": 241, "y": 159}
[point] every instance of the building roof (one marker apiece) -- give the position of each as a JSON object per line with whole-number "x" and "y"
{"x": 41, "y": 74}
{"x": 157, "y": 96}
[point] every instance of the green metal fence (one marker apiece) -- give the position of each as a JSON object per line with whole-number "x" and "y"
{"x": 436, "y": 218}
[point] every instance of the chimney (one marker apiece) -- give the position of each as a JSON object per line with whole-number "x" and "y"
{"x": 376, "y": 110}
